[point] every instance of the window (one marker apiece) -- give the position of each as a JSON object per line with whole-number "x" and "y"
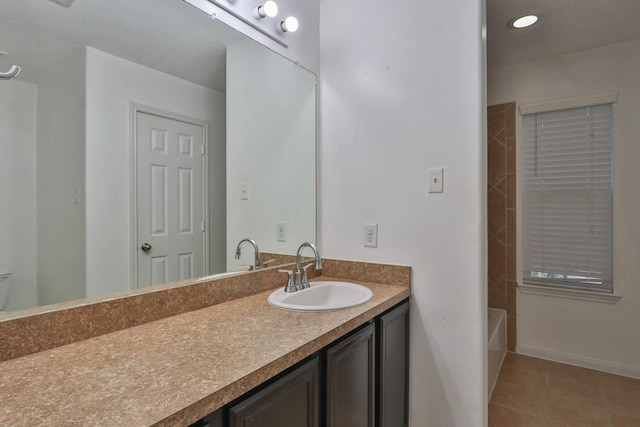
{"x": 567, "y": 198}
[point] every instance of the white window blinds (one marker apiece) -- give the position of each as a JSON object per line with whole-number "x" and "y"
{"x": 567, "y": 198}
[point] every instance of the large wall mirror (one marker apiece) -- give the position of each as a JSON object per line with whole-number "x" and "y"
{"x": 141, "y": 141}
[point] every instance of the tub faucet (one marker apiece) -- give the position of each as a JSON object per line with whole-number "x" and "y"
{"x": 256, "y": 260}
{"x": 302, "y": 281}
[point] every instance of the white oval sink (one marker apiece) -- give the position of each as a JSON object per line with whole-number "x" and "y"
{"x": 220, "y": 275}
{"x": 322, "y": 296}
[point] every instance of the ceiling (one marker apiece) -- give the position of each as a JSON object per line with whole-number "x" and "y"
{"x": 182, "y": 41}
{"x": 566, "y": 26}
{"x": 168, "y": 35}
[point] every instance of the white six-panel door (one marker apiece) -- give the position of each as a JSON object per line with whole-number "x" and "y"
{"x": 170, "y": 200}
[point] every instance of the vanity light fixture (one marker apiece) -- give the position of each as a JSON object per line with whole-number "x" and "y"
{"x": 524, "y": 21}
{"x": 289, "y": 25}
{"x": 253, "y": 16}
{"x": 268, "y": 9}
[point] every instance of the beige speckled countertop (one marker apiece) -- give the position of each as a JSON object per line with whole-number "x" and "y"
{"x": 174, "y": 370}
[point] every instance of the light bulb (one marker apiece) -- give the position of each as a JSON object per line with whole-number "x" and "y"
{"x": 524, "y": 21}
{"x": 270, "y": 9}
{"x": 289, "y": 25}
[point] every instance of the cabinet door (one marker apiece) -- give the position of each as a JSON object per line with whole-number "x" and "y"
{"x": 351, "y": 381}
{"x": 213, "y": 420}
{"x": 292, "y": 401}
{"x": 393, "y": 368}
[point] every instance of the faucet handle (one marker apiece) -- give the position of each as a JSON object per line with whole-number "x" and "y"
{"x": 291, "y": 286}
{"x": 305, "y": 277}
{"x": 266, "y": 263}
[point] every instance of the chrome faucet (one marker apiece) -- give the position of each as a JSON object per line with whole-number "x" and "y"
{"x": 302, "y": 280}
{"x": 291, "y": 286}
{"x": 256, "y": 261}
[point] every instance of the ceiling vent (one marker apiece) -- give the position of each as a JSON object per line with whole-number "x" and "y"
{"x": 65, "y": 3}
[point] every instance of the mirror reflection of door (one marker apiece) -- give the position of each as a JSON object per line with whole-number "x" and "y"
{"x": 170, "y": 187}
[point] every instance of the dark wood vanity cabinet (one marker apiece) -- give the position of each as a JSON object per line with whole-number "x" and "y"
{"x": 367, "y": 379}
{"x": 360, "y": 380}
{"x": 351, "y": 380}
{"x": 393, "y": 367}
{"x": 292, "y": 401}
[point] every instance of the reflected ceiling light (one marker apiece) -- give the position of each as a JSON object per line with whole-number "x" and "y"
{"x": 270, "y": 9}
{"x": 524, "y": 21}
{"x": 289, "y": 25}
{"x": 65, "y": 3}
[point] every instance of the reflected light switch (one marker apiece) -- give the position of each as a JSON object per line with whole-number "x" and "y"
{"x": 244, "y": 191}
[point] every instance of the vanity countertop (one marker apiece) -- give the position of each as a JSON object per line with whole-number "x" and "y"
{"x": 175, "y": 370}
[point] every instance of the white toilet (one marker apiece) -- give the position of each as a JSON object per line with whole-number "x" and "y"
{"x": 5, "y": 283}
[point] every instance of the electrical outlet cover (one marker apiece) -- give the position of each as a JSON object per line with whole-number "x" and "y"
{"x": 371, "y": 235}
{"x": 281, "y": 231}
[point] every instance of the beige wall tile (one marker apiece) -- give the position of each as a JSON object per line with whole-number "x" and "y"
{"x": 501, "y": 203}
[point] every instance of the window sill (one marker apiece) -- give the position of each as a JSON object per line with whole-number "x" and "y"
{"x": 570, "y": 293}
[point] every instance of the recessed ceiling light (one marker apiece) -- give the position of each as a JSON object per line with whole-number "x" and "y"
{"x": 524, "y": 21}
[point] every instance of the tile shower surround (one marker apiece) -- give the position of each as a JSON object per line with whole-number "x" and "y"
{"x": 501, "y": 205}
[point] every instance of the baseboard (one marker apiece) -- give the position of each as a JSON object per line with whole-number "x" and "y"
{"x": 585, "y": 362}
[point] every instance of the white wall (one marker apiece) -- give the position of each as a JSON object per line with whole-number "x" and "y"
{"x": 271, "y": 147}
{"x": 44, "y": 174}
{"x": 112, "y": 83}
{"x": 599, "y": 335}
{"x": 60, "y": 181}
{"x": 18, "y": 243}
{"x": 402, "y": 90}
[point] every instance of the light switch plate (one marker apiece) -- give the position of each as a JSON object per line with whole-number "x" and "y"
{"x": 436, "y": 176}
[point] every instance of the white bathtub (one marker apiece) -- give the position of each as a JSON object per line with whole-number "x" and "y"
{"x": 497, "y": 328}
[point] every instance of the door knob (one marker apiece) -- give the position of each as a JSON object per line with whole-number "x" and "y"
{"x": 145, "y": 247}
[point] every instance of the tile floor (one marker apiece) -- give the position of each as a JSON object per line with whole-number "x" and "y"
{"x": 533, "y": 392}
